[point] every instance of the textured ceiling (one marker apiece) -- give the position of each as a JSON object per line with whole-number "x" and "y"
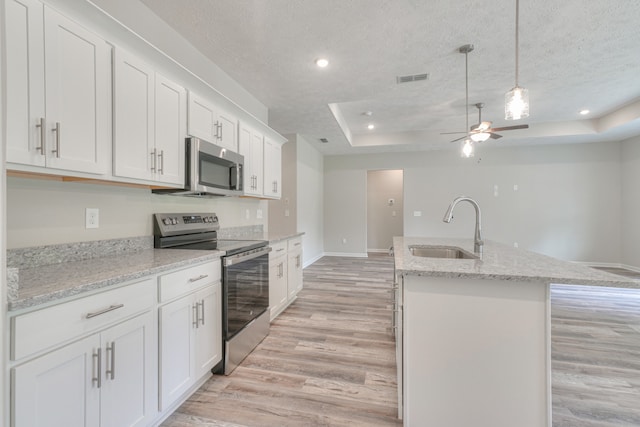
{"x": 574, "y": 54}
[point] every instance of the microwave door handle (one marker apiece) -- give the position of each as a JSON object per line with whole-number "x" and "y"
{"x": 235, "y": 176}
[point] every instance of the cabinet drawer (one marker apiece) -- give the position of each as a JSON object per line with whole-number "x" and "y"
{"x": 295, "y": 243}
{"x": 278, "y": 249}
{"x": 42, "y": 329}
{"x": 181, "y": 282}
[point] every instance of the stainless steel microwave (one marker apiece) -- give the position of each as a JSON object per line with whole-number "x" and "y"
{"x": 210, "y": 170}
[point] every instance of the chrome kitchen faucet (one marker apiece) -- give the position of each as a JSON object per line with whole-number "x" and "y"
{"x": 448, "y": 216}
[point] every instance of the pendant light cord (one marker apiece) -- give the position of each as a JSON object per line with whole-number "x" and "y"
{"x": 517, "y": 41}
{"x": 466, "y": 89}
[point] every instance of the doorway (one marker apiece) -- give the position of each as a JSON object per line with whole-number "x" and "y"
{"x": 384, "y": 208}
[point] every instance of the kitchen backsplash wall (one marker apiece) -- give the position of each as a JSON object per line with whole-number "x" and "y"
{"x": 47, "y": 212}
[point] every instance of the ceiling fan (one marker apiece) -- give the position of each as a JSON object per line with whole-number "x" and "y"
{"x": 482, "y": 130}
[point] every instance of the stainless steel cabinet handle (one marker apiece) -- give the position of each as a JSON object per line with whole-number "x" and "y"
{"x": 200, "y": 277}
{"x": 111, "y": 354}
{"x": 154, "y": 160}
{"x": 104, "y": 310}
{"x": 57, "y": 131}
{"x": 97, "y": 362}
{"x": 194, "y": 309}
{"x": 43, "y": 135}
{"x": 161, "y": 157}
{"x": 201, "y": 304}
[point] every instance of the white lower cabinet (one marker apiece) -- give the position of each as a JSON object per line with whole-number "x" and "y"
{"x": 105, "y": 379}
{"x": 285, "y": 274}
{"x": 294, "y": 268}
{"x": 190, "y": 331}
{"x": 277, "y": 278}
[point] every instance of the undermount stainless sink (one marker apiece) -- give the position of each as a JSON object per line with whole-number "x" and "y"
{"x": 449, "y": 252}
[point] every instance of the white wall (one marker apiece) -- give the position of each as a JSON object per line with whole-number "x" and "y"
{"x": 631, "y": 202}
{"x": 384, "y": 220}
{"x": 4, "y": 329}
{"x": 283, "y": 215}
{"x": 310, "y": 199}
{"x": 567, "y": 204}
{"x": 345, "y": 206}
{"x": 44, "y": 212}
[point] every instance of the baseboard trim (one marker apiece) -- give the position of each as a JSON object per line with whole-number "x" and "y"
{"x": 308, "y": 262}
{"x": 347, "y": 254}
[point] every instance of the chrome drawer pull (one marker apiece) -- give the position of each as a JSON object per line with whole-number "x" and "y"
{"x": 200, "y": 277}
{"x": 98, "y": 355}
{"x": 111, "y": 349}
{"x": 57, "y": 131}
{"x": 43, "y": 136}
{"x": 105, "y": 310}
{"x": 194, "y": 312}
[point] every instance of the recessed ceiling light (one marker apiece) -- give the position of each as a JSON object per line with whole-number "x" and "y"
{"x": 584, "y": 112}
{"x": 322, "y": 62}
{"x": 370, "y": 126}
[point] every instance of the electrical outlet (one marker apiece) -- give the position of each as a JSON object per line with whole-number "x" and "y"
{"x": 259, "y": 214}
{"x": 247, "y": 214}
{"x": 92, "y": 218}
{"x": 344, "y": 241}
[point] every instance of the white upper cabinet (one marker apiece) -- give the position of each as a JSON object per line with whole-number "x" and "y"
{"x": 251, "y": 146}
{"x": 207, "y": 121}
{"x": 272, "y": 169}
{"x": 25, "y": 81}
{"x": 133, "y": 117}
{"x": 149, "y": 122}
{"x": 62, "y": 118}
{"x": 170, "y": 130}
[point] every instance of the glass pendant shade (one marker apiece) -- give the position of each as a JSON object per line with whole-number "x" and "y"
{"x": 480, "y": 136}
{"x": 467, "y": 148}
{"x": 516, "y": 103}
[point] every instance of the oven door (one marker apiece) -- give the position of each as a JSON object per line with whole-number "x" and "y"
{"x": 245, "y": 289}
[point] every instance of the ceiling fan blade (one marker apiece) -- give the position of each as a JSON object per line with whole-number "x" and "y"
{"x": 459, "y": 139}
{"x": 510, "y": 128}
{"x": 450, "y": 133}
{"x": 495, "y": 136}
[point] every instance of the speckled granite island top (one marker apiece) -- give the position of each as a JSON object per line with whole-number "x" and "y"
{"x": 42, "y": 284}
{"x": 499, "y": 262}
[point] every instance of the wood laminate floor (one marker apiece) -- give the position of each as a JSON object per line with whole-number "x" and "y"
{"x": 329, "y": 359}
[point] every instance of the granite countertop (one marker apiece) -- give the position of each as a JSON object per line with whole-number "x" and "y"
{"x": 270, "y": 237}
{"x": 32, "y": 286}
{"x": 500, "y": 262}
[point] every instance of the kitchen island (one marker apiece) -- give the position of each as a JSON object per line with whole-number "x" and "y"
{"x": 473, "y": 335}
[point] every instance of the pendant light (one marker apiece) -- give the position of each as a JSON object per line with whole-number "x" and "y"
{"x": 516, "y": 101}
{"x": 467, "y": 145}
{"x": 467, "y": 148}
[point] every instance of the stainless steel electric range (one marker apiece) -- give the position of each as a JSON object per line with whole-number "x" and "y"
{"x": 245, "y": 279}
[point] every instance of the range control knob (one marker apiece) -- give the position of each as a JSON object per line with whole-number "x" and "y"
{"x": 174, "y": 221}
{"x": 214, "y": 219}
{"x": 167, "y": 221}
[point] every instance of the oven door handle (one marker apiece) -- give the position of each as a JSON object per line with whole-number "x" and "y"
{"x": 238, "y": 258}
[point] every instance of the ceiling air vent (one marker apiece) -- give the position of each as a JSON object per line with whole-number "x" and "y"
{"x": 324, "y": 140}
{"x": 412, "y": 78}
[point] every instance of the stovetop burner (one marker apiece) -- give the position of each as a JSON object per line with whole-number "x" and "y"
{"x": 197, "y": 232}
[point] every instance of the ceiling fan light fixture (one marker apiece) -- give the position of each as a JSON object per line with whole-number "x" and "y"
{"x": 516, "y": 103}
{"x": 467, "y": 148}
{"x": 480, "y": 136}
